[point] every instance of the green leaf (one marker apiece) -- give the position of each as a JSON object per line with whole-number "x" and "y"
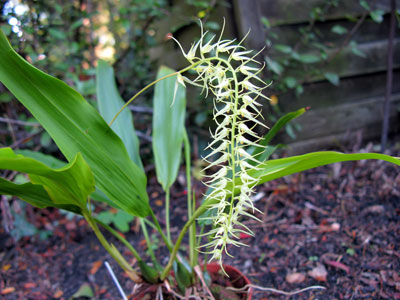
{"x": 290, "y": 131}
{"x": 266, "y": 22}
{"x": 258, "y": 152}
{"x": 290, "y": 82}
{"x": 377, "y": 15}
{"x": 277, "y": 168}
{"x": 350, "y": 251}
{"x": 150, "y": 274}
{"x": 182, "y": 275}
{"x": 75, "y": 126}
{"x": 299, "y": 90}
{"x": 58, "y": 34}
{"x": 71, "y": 184}
{"x": 364, "y": 4}
{"x": 338, "y": 29}
{"x": 121, "y": 220}
{"x": 48, "y": 160}
{"x": 269, "y": 150}
{"x": 106, "y": 217}
{"x": 34, "y": 194}
{"x": 309, "y": 58}
{"x": 212, "y": 26}
{"x": 332, "y": 78}
{"x": 283, "y": 48}
{"x": 354, "y": 48}
{"x": 45, "y": 140}
{"x": 99, "y": 196}
{"x": 6, "y": 97}
{"x": 84, "y": 291}
{"x": 6, "y": 28}
{"x": 110, "y": 102}
{"x": 55, "y": 163}
{"x": 168, "y": 127}
{"x": 274, "y": 65}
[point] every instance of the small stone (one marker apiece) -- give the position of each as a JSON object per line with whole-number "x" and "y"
{"x": 319, "y": 273}
{"x": 295, "y": 277}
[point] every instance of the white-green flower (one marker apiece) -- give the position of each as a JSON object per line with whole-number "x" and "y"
{"x": 232, "y": 76}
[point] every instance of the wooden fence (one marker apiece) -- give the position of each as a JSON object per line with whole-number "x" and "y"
{"x": 337, "y": 113}
{"x": 356, "y": 105}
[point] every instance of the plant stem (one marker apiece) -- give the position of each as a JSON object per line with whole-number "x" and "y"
{"x": 149, "y": 86}
{"x": 185, "y": 228}
{"x": 120, "y": 238}
{"x": 167, "y": 225}
{"x": 191, "y": 204}
{"x": 158, "y": 227}
{"x": 111, "y": 249}
{"x": 150, "y": 224}
{"x": 196, "y": 244}
{"x": 148, "y": 242}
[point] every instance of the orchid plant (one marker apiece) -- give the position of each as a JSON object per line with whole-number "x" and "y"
{"x": 104, "y": 163}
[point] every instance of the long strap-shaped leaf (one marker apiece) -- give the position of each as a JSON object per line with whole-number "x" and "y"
{"x": 168, "y": 127}
{"x": 76, "y": 126}
{"x": 261, "y": 153}
{"x": 277, "y": 168}
{"x": 110, "y": 102}
{"x": 55, "y": 163}
{"x": 34, "y": 194}
{"x": 69, "y": 185}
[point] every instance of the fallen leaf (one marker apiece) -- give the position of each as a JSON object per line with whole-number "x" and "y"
{"x": 329, "y": 228}
{"x": 244, "y": 235}
{"x": 8, "y": 290}
{"x": 6, "y": 267}
{"x": 295, "y": 277}
{"x": 84, "y": 291}
{"x": 70, "y": 226}
{"x": 338, "y": 265}
{"x": 158, "y": 202}
{"x": 143, "y": 243}
{"x": 58, "y": 294}
{"x": 374, "y": 209}
{"x": 95, "y": 267}
{"x": 319, "y": 273}
{"x": 29, "y": 285}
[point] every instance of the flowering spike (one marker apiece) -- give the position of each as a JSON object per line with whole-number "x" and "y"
{"x": 235, "y": 108}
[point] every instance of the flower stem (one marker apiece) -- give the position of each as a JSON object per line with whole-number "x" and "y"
{"x": 149, "y": 86}
{"x": 158, "y": 227}
{"x": 111, "y": 249}
{"x": 148, "y": 242}
{"x": 190, "y": 204}
{"x": 185, "y": 228}
{"x": 167, "y": 224}
{"x": 120, "y": 238}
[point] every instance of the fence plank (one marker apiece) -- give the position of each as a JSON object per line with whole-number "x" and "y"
{"x": 351, "y": 90}
{"x": 247, "y": 16}
{"x": 347, "y": 64}
{"x": 368, "y": 32}
{"x": 298, "y": 11}
{"x": 341, "y": 118}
